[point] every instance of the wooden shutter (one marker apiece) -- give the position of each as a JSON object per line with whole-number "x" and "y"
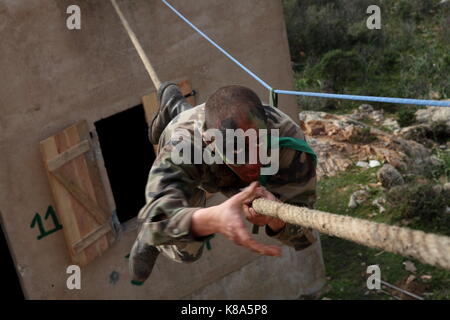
{"x": 78, "y": 193}
{"x": 150, "y": 101}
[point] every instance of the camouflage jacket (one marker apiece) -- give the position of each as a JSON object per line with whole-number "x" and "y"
{"x": 175, "y": 191}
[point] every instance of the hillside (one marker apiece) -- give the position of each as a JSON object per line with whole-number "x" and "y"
{"x": 333, "y": 51}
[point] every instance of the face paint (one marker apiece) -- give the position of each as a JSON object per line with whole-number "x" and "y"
{"x": 246, "y": 171}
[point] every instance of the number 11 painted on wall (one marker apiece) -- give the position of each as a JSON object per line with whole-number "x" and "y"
{"x": 38, "y": 220}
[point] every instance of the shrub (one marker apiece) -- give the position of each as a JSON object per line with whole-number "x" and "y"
{"x": 421, "y": 204}
{"x": 339, "y": 67}
{"x": 406, "y": 117}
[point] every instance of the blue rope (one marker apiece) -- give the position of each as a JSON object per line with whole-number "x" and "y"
{"x": 367, "y": 98}
{"x": 310, "y": 94}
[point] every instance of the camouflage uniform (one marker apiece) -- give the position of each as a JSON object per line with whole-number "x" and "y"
{"x": 174, "y": 192}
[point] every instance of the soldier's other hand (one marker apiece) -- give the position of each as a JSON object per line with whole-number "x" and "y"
{"x": 231, "y": 224}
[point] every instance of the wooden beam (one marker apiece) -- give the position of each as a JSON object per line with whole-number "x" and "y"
{"x": 92, "y": 237}
{"x": 66, "y": 156}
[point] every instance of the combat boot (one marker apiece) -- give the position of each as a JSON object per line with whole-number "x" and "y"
{"x": 171, "y": 103}
{"x": 141, "y": 261}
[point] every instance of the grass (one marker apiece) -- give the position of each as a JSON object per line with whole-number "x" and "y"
{"x": 346, "y": 261}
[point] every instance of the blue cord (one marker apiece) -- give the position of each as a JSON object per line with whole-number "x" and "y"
{"x": 310, "y": 94}
{"x": 367, "y": 98}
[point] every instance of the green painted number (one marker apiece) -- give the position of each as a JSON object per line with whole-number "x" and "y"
{"x": 38, "y": 220}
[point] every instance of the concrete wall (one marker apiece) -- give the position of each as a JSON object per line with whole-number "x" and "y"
{"x": 52, "y": 77}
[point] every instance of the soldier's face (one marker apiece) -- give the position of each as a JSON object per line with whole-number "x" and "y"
{"x": 249, "y": 172}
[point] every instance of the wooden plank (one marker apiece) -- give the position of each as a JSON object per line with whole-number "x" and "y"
{"x": 150, "y": 104}
{"x": 98, "y": 214}
{"x": 61, "y": 159}
{"x": 92, "y": 237}
{"x": 80, "y": 176}
{"x": 64, "y": 209}
{"x": 90, "y": 167}
{"x": 86, "y": 174}
{"x": 186, "y": 88}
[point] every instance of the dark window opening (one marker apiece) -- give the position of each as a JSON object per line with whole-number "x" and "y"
{"x": 128, "y": 156}
{"x": 13, "y": 288}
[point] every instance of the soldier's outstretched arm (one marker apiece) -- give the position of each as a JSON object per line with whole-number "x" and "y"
{"x": 227, "y": 218}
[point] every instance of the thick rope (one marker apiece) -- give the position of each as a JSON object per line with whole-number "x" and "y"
{"x": 137, "y": 45}
{"x": 426, "y": 247}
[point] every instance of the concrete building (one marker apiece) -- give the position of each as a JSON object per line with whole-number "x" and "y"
{"x": 72, "y": 137}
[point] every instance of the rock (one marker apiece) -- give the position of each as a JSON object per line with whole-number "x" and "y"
{"x": 426, "y": 277}
{"x": 374, "y": 163}
{"x": 377, "y": 116}
{"x": 366, "y": 108}
{"x": 362, "y": 164}
{"x": 365, "y": 111}
{"x": 389, "y": 176}
{"x": 307, "y": 116}
{"x": 391, "y": 124}
{"x": 357, "y": 198}
{"x": 417, "y": 133}
{"x": 437, "y": 189}
{"x": 434, "y": 114}
{"x": 375, "y": 185}
{"x": 409, "y": 266}
{"x": 434, "y": 161}
{"x": 378, "y": 202}
{"x": 356, "y": 116}
{"x": 447, "y": 186}
{"x": 340, "y": 141}
{"x": 410, "y": 279}
{"x": 352, "y": 204}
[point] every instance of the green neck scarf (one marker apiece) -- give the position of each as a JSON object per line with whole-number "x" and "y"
{"x": 293, "y": 143}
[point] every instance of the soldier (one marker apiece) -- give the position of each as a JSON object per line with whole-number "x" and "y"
{"x": 174, "y": 220}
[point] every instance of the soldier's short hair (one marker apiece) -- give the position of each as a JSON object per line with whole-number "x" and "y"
{"x": 230, "y": 103}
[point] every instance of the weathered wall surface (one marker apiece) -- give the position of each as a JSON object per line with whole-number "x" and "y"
{"x": 52, "y": 77}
